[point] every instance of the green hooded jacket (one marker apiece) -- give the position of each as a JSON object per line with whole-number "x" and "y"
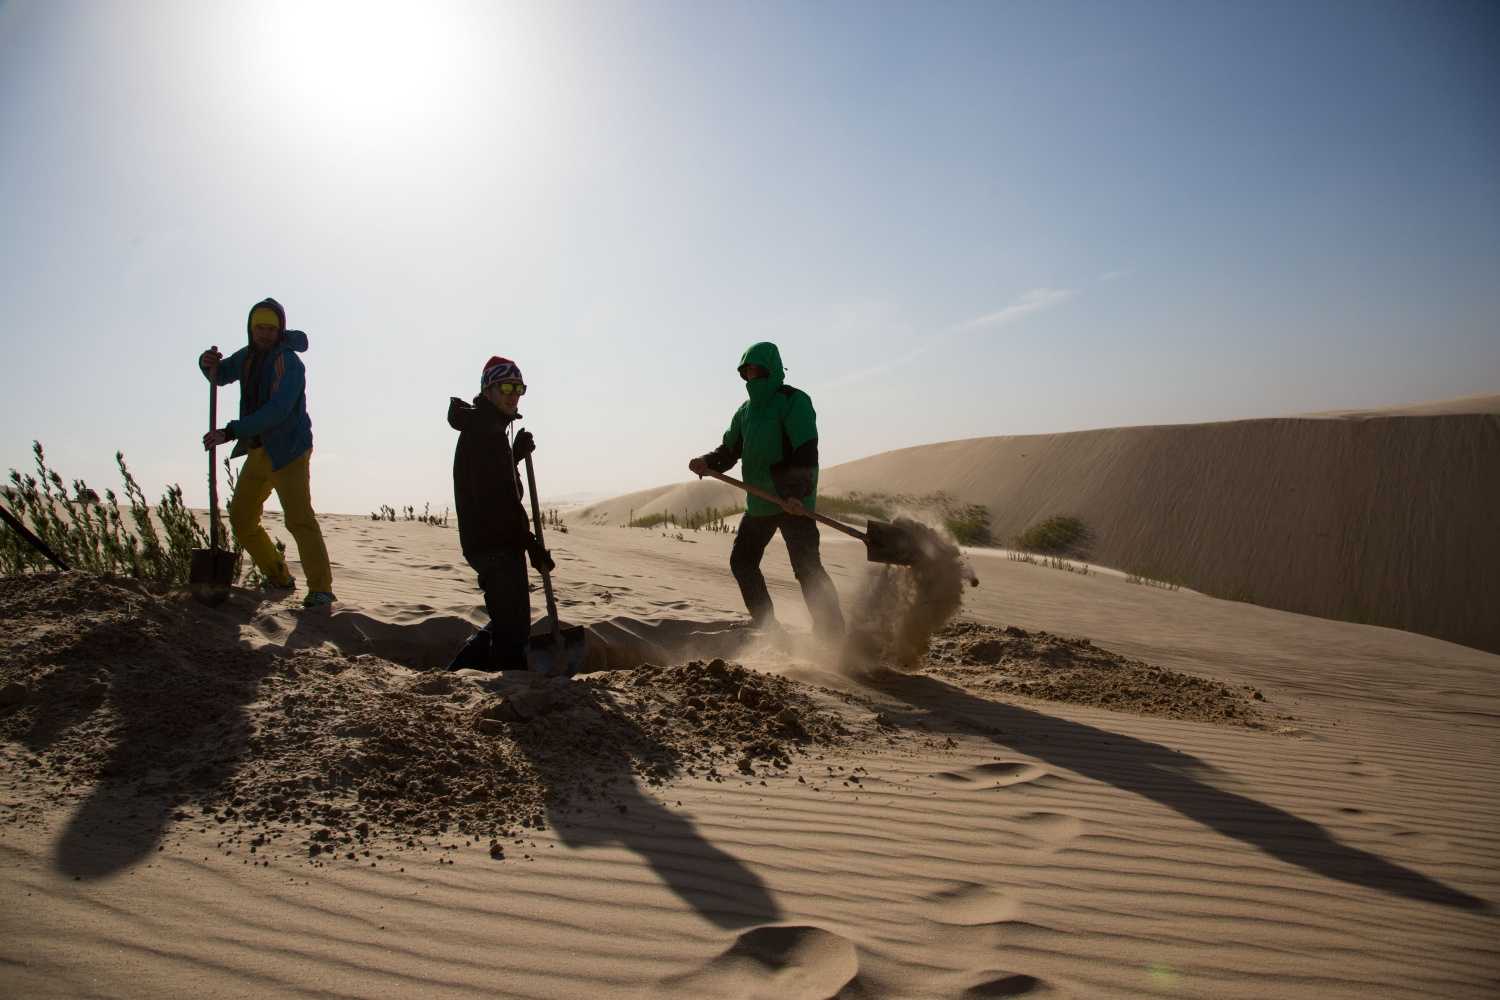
{"x": 774, "y": 434}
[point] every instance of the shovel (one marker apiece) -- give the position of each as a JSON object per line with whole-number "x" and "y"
{"x": 211, "y": 570}
{"x": 884, "y": 542}
{"x": 567, "y": 644}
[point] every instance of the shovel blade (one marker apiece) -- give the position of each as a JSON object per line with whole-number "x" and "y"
{"x": 210, "y": 573}
{"x": 547, "y": 658}
{"x": 889, "y": 543}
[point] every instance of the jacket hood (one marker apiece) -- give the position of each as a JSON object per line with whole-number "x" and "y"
{"x": 762, "y": 390}
{"x": 768, "y": 356}
{"x": 296, "y": 340}
{"x": 480, "y": 415}
{"x": 270, "y": 304}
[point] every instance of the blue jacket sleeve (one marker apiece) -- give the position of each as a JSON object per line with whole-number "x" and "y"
{"x": 289, "y": 382}
{"x": 230, "y": 368}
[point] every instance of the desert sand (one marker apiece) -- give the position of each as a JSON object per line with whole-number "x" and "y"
{"x": 1205, "y": 799}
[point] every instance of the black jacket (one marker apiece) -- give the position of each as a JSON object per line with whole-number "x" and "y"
{"x": 486, "y": 488}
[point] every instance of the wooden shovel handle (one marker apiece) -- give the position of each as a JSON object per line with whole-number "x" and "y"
{"x": 773, "y": 498}
{"x": 536, "y": 519}
{"x": 213, "y": 454}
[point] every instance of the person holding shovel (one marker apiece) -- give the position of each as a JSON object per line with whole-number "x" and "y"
{"x": 774, "y": 434}
{"x": 492, "y": 526}
{"x": 274, "y": 434}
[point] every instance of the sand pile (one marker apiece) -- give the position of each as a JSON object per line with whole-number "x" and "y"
{"x": 1041, "y": 665}
{"x": 901, "y": 607}
{"x": 157, "y": 697}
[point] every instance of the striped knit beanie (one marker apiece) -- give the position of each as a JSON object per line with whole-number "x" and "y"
{"x": 498, "y": 369}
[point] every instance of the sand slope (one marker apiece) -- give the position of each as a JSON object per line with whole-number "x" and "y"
{"x": 1379, "y": 516}
{"x": 964, "y": 840}
{"x": 679, "y": 498}
{"x": 1384, "y": 519}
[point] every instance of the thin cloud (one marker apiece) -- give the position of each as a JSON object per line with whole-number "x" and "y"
{"x": 1117, "y": 275}
{"x": 1025, "y": 305}
{"x": 885, "y": 366}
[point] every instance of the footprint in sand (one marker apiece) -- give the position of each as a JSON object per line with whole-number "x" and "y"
{"x": 1052, "y": 831}
{"x": 1428, "y": 845}
{"x": 999, "y": 774}
{"x": 994, "y": 983}
{"x": 1379, "y": 773}
{"x": 969, "y": 904}
{"x": 777, "y": 963}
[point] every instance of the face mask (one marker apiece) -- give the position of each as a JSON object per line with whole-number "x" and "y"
{"x": 760, "y": 390}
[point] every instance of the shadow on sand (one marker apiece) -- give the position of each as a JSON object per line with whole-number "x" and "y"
{"x": 594, "y": 799}
{"x": 1165, "y": 776}
{"x": 151, "y": 771}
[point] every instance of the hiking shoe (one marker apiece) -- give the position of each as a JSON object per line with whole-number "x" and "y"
{"x": 290, "y": 583}
{"x": 318, "y": 599}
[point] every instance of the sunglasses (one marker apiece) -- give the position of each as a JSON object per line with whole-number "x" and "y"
{"x": 751, "y": 372}
{"x": 512, "y": 389}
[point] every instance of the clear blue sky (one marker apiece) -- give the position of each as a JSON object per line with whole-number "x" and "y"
{"x": 956, "y": 220}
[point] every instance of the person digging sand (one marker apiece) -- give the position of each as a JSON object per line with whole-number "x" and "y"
{"x": 774, "y": 434}
{"x": 492, "y": 527}
{"x": 274, "y": 434}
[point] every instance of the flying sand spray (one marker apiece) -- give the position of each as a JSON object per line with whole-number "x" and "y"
{"x": 902, "y": 607}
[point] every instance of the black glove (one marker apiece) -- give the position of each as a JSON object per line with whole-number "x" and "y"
{"x": 524, "y": 445}
{"x": 541, "y": 559}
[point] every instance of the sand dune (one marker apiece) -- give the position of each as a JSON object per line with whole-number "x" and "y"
{"x": 679, "y": 498}
{"x": 1479, "y": 403}
{"x": 1386, "y": 520}
{"x": 1379, "y": 516}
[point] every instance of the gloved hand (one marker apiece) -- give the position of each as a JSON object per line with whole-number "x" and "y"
{"x": 524, "y": 445}
{"x": 541, "y": 559}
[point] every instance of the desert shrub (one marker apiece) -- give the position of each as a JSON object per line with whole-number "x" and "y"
{"x": 862, "y": 504}
{"x": 1054, "y": 535}
{"x": 1150, "y": 580}
{"x": 97, "y": 537}
{"x": 969, "y": 525}
{"x": 707, "y": 519}
{"x": 409, "y": 513}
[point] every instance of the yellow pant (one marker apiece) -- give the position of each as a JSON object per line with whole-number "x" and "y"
{"x": 293, "y": 486}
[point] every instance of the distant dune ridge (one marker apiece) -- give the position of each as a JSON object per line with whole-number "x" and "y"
{"x": 678, "y": 498}
{"x": 1385, "y": 517}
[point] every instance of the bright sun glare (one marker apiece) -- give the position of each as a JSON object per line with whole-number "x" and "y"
{"x": 352, "y": 67}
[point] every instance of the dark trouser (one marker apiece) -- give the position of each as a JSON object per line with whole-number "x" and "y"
{"x": 801, "y": 534}
{"x": 500, "y": 645}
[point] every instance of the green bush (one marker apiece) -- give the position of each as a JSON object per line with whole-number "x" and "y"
{"x": 707, "y": 519}
{"x": 861, "y": 504}
{"x": 96, "y": 537}
{"x": 1054, "y": 535}
{"x": 970, "y": 525}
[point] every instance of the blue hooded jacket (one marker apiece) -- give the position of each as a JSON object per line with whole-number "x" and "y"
{"x": 273, "y": 394}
